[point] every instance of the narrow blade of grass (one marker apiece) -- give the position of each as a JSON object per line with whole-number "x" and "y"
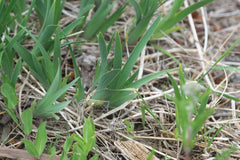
{"x": 175, "y": 87}
{"x": 97, "y": 20}
{"x": 166, "y": 52}
{"x": 148, "y": 78}
{"x": 173, "y": 17}
{"x": 123, "y": 75}
{"x": 234, "y": 44}
{"x": 110, "y": 21}
{"x": 181, "y": 75}
{"x": 117, "y": 63}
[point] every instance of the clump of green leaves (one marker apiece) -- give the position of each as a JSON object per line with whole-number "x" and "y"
{"x": 175, "y": 16}
{"x": 46, "y": 106}
{"x": 101, "y": 20}
{"x": 10, "y": 99}
{"x": 39, "y": 60}
{"x": 114, "y": 82}
{"x": 9, "y": 69}
{"x": 191, "y": 111}
{"x": 7, "y": 19}
{"x": 37, "y": 149}
{"x": 85, "y": 145}
{"x": 82, "y": 145}
{"x": 145, "y": 10}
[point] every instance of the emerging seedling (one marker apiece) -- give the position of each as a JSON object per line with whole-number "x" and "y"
{"x": 191, "y": 111}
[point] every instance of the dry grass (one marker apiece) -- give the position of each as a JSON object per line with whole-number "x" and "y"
{"x": 205, "y": 36}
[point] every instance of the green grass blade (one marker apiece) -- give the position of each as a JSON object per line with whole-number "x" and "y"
{"x": 210, "y": 142}
{"x": 204, "y": 100}
{"x": 170, "y": 20}
{"x": 181, "y": 76}
{"x": 103, "y": 53}
{"x": 134, "y": 55}
{"x": 175, "y": 7}
{"x": 121, "y": 97}
{"x": 55, "y": 83}
{"x": 234, "y": 44}
{"x": 48, "y": 99}
{"x": 80, "y": 87}
{"x": 48, "y": 112}
{"x": 166, "y": 52}
{"x": 58, "y": 6}
{"x": 63, "y": 33}
{"x": 1, "y": 55}
{"x": 85, "y": 6}
{"x": 85, "y": 10}
{"x": 57, "y": 52}
{"x": 143, "y": 115}
{"x": 114, "y": 97}
{"x": 148, "y": 78}
{"x": 16, "y": 72}
{"x": 199, "y": 121}
{"x": 23, "y": 52}
{"x": 144, "y": 13}
{"x": 131, "y": 79}
{"x": 147, "y": 108}
{"x": 38, "y": 71}
{"x": 155, "y": 118}
{"x": 5, "y": 18}
{"x": 228, "y": 68}
{"x": 138, "y": 30}
{"x": 137, "y": 8}
{"x": 175, "y": 87}
{"x": 98, "y": 19}
{"x": 47, "y": 62}
{"x": 227, "y": 96}
{"x": 58, "y": 92}
{"x": 107, "y": 78}
{"x": 167, "y": 31}
{"x": 45, "y": 105}
{"x": 204, "y": 134}
{"x": 110, "y": 21}
{"x": 17, "y": 38}
{"x": 41, "y": 10}
{"x": 182, "y": 14}
{"x": 117, "y": 63}
{"x": 109, "y": 65}
{"x": 109, "y": 46}
{"x": 96, "y": 76}
{"x": 52, "y": 13}
{"x": 25, "y": 20}
{"x": 19, "y": 8}
{"x": 45, "y": 35}
{"x": 8, "y": 63}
